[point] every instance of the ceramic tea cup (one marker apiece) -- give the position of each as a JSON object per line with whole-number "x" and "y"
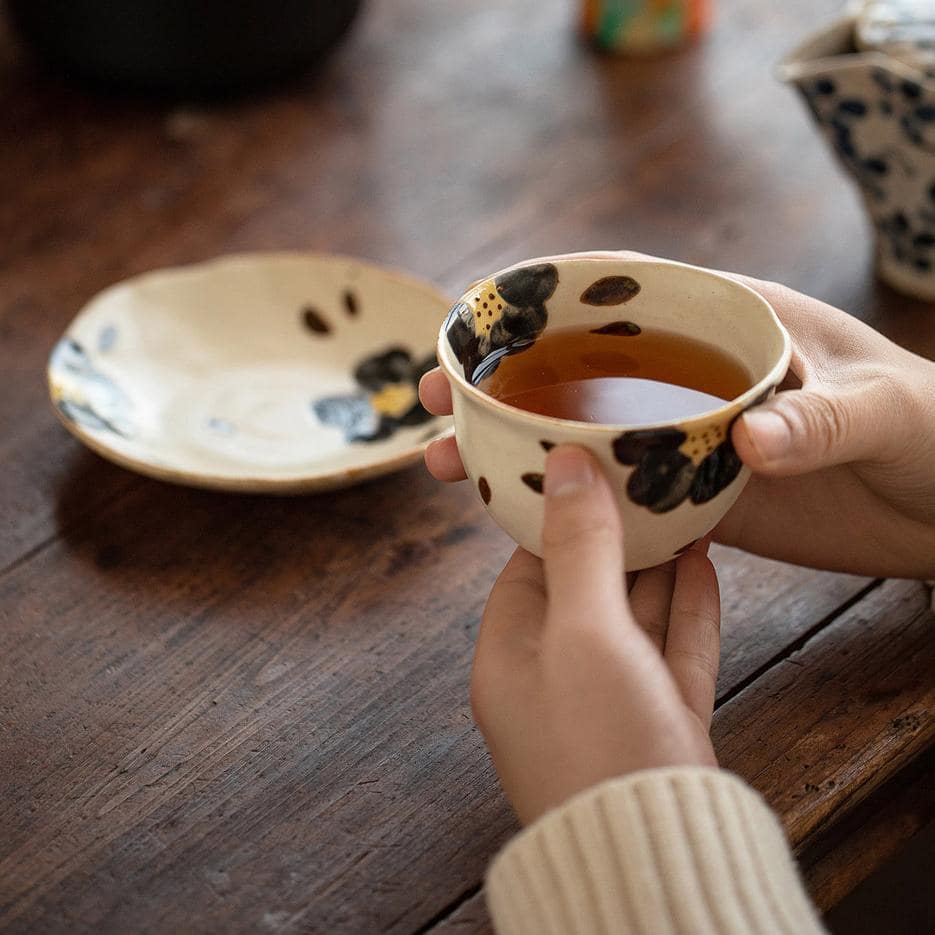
{"x": 673, "y": 480}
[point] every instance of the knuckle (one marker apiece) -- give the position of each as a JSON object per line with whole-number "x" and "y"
{"x": 825, "y": 421}
{"x": 695, "y": 660}
{"x": 891, "y": 391}
{"x": 892, "y": 395}
{"x": 705, "y": 625}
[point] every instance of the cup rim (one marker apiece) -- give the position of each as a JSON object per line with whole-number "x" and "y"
{"x": 738, "y": 404}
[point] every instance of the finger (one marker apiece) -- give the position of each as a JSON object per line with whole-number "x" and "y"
{"x": 435, "y": 393}
{"x": 510, "y": 630}
{"x": 444, "y": 461}
{"x": 818, "y": 330}
{"x": 511, "y": 624}
{"x": 516, "y": 606}
{"x": 693, "y": 641}
{"x": 582, "y": 540}
{"x": 822, "y": 422}
{"x": 809, "y": 320}
{"x": 651, "y": 600}
{"x": 802, "y": 431}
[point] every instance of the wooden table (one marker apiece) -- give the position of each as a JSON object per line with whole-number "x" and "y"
{"x": 247, "y": 714}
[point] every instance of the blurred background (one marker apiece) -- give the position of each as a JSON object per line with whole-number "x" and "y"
{"x": 446, "y": 137}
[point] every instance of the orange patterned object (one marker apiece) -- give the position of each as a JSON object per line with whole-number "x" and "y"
{"x": 642, "y": 26}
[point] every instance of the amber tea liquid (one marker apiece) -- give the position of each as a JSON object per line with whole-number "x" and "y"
{"x": 617, "y": 374}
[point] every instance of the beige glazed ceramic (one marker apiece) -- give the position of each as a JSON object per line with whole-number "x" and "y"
{"x": 674, "y": 480}
{"x": 279, "y": 372}
{"x": 874, "y": 103}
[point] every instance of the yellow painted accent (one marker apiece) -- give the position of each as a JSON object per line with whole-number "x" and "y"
{"x": 484, "y": 309}
{"x": 698, "y": 447}
{"x": 394, "y": 400}
{"x": 70, "y": 390}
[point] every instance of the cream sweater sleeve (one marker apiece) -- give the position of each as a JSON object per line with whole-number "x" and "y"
{"x": 685, "y": 850}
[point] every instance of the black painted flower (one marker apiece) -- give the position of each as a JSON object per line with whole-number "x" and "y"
{"x": 388, "y": 398}
{"x": 84, "y": 395}
{"x": 665, "y": 476}
{"x": 501, "y": 316}
{"x": 716, "y": 471}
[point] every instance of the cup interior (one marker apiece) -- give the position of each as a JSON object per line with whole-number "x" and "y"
{"x": 515, "y": 307}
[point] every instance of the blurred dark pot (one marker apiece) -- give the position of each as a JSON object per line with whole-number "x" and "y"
{"x": 183, "y": 47}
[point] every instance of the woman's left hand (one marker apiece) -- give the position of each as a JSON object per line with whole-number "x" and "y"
{"x": 574, "y": 680}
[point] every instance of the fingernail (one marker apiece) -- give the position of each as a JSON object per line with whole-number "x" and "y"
{"x": 768, "y": 433}
{"x": 567, "y": 470}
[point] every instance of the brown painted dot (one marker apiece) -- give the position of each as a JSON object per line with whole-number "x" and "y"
{"x": 620, "y": 329}
{"x": 488, "y": 327}
{"x": 533, "y": 481}
{"x": 477, "y": 298}
{"x": 547, "y": 446}
{"x": 351, "y": 306}
{"x": 491, "y": 296}
{"x": 484, "y": 489}
{"x": 313, "y": 320}
{"x": 478, "y": 314}
{"x": 485, "y": 305}
{"x": 611, "y": 290}
{"x": 695, "y": 452}
{"x": 490, "y": 313}
{"x": 499, "y": 306}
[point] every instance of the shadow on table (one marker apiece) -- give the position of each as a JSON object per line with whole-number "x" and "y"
{"x": 130, "y": 527}
{"x": 896, "y": 900}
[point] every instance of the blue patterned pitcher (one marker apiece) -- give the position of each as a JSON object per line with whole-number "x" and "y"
{"x": 878, "y": 114}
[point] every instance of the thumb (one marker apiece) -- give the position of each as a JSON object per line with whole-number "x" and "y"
{"x": 803, "y": 430}
{"x": 582, "y": 539}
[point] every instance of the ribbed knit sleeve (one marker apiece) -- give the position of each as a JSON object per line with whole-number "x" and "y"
{"x": 683, "y": 850}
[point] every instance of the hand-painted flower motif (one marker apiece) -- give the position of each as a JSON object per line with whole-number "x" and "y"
{"x": 673, "y": 465}
{"x": 503, "y": 316}
{"x": 84, "y": 395}
{"x": 388, "y": 398}
{"x": 663, "y": 475}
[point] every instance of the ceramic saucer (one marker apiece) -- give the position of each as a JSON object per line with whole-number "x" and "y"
{"x": 276, "y": 373}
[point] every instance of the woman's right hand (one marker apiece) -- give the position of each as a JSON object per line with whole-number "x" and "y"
{"x": 843, "y": 456}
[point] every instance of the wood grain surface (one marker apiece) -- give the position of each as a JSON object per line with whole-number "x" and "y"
{"x": 872, "y": 834}
{"x": 248, "y": 714}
